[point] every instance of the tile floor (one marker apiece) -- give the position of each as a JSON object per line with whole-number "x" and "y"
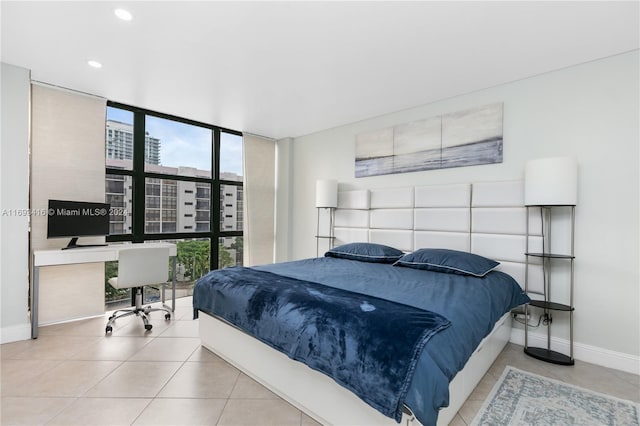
{"x": 75, "y": 375}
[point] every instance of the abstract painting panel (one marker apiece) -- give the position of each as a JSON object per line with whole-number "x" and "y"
{"x": 464, "y": 138}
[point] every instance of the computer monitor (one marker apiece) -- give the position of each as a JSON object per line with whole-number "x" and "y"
{"x": 75, "y": 219}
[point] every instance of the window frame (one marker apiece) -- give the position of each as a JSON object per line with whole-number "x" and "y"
{"x": 139, "y": 176}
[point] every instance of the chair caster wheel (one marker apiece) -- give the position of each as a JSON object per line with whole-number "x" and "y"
{"x": 167, "y": 317}
{"x": 148, "y": 326}
{"x": 109, "y": 329}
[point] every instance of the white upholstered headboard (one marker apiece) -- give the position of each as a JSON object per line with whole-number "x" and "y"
{"x": 487, "y": 218}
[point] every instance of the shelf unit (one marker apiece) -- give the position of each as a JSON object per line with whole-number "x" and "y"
{"x": 547, "y": 304}
{"x": 330, "y": 237}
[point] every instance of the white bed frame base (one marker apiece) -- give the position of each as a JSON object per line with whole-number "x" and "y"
{"x": 316, "y": 394}
{"x": 486, "y": 218}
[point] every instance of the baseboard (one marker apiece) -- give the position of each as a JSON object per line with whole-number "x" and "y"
{"x": 74, "y": 319}
{"x": 587, "y": 353}
{"x": 15, "y": 333}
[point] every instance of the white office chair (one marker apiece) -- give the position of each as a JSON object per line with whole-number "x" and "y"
{"x": 138, "y": 266}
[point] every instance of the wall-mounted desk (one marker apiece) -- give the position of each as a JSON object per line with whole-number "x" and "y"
{"x": 87, "y": 255}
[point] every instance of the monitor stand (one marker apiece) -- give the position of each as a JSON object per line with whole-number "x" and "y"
{"x": 73, "y": 244}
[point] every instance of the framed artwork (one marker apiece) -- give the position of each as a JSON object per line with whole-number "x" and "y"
{"x": 465, "y": 138}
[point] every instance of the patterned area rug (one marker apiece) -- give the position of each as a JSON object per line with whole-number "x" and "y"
{"x": 522, "y": 398}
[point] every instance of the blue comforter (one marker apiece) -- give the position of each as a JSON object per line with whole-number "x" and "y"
{"x": 367, "y": 344}
{"x": 471, "y": 304}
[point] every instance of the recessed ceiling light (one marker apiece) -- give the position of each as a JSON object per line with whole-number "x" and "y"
{"x": 94, "y": 64}
{"x": 125, "y": 15}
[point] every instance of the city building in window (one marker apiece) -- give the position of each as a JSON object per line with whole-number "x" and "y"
{"x": 120, "y": 143}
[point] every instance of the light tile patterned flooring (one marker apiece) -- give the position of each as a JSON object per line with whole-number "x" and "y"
{"x": 75, "y": 375}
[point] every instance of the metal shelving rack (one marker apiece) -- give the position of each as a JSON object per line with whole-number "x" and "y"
{"x": 331, "y": 237}
{"x": 547, "y": 354}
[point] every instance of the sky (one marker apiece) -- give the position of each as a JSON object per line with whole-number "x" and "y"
{"x": 187, "y": 145}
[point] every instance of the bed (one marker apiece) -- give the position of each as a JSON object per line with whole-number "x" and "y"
{"x": 471, "y": 320}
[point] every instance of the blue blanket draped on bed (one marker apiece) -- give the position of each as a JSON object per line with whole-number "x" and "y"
{"x": 366, "y": 344}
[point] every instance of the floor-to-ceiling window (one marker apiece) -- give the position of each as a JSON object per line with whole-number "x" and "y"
{"x": 173, "y": 179}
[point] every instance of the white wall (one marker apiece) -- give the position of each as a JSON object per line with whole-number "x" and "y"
{"x": 14, "y": 203}
{"x": 589, "y": 112}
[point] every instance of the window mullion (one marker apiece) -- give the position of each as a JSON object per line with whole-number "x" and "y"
{"x": 139, "y": 180}
{"x": 214, "y": 203}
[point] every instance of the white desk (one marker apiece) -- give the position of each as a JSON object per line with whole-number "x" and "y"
{"x": 87, "y": 255}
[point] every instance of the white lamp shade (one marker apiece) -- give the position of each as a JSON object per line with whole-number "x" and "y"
{"x": 327, "y": 193}
{"x": 551, "y": 182}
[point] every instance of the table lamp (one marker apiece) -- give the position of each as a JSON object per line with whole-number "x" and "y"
{"x": 551, "y": 182}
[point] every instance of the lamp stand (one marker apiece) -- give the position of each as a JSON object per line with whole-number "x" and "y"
{"x": 330, "y": 235}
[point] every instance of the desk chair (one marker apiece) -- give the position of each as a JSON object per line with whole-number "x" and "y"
{"x": 137, "y": 267}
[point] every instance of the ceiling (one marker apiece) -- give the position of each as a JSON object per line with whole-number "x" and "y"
{"x": 282, "y": 69}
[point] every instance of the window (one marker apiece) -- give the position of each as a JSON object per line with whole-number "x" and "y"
{"x": 118, "y": 195}
{"x": 119, "y": 140}
{"x": 203, "y": 192}
{"x": 162, "y": 172}
{"x": 230, "y": 157}
{"x": 230, "y": 251}
{"x": 173, "y": 147}
{"x": 202, "y": 216}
